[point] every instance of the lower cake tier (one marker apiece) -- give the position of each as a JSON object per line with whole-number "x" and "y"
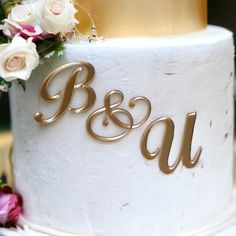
{"x": 224, "y": 226}
{"x": 128, "y": 136}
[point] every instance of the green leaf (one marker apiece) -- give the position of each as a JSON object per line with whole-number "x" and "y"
{"x": 5, "y": 84}
{"x": 22, "y": 84}
{"x": 3, "y": 180}
{"x": 3, "y": 38}
{"x": 2, "y": 14}
{"x": 8, "y": 5}
{"x": 1, "y": 183}
{"x": 49, "y": 48}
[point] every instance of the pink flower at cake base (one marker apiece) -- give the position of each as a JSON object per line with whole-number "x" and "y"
{"x": 10, "y": 206}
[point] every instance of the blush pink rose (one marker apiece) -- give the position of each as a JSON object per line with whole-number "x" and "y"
{"x": 26, "y": 31}
{"x": 10, "y": 206}
{"x": 29, "y": 31}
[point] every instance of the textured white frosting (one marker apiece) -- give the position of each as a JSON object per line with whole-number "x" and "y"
{"x": 74, "y": 184}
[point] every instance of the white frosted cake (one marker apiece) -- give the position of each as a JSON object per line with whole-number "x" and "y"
{"x": 128, "y": 136}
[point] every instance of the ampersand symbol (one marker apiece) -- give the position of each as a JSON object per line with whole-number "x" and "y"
{"x": 112, "y": 112}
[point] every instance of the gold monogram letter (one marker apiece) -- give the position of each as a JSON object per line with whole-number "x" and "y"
{"x": 185, "y": 151}
{"x": 164, "y": 151}
{"x": 68, "y": 92}
{"x": 112, "y": 111}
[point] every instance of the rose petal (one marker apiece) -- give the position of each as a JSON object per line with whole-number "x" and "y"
{"x": 4, "y": 207}
{"x": 14, "y": 214}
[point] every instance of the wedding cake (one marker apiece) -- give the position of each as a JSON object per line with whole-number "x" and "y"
{"x": 130, "y": 133}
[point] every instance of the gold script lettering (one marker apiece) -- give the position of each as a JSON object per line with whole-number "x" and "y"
{"x": 164, "y": 151}
{"x": 67, "y": 94}
{"x": 185, "y": 151}
{"x": 112, "y": 110}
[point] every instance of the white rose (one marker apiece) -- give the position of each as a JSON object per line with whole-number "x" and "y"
{"x": 24, "y": 14}
{"x": 58, "y": 16}
{"x": 18, "y": 59}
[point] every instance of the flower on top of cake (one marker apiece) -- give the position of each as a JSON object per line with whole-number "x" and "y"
{"x": 32, "y": 31}
{"x": 41, "y": 18}
{"x": 10, "y": 207}
{"x": 18, "y": 59}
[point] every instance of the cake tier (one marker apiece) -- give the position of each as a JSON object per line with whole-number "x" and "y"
{"x": 141, "y": 18}
{"x": 224, "y": 226}
{"x": 73, "y": 183}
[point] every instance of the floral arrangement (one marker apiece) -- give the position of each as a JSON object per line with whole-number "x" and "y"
{"x": 10, "y": 206}
{"x": 31, "y": 32}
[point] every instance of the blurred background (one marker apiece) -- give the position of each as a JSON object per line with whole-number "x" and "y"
{"x": 221, "y": 12}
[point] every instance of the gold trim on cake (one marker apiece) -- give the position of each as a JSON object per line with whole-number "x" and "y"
{"x": 131, "y": 18}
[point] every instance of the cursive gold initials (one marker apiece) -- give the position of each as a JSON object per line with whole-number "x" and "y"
{"x": 68, "y": 92}
{"x": 164, "y": 151}
{"x": 111, "y": 111}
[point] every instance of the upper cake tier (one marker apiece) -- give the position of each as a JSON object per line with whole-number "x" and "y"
{"x": 132, "y": 18}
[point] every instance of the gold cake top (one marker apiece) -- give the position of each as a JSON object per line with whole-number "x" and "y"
{"x": 137, "y": 18}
